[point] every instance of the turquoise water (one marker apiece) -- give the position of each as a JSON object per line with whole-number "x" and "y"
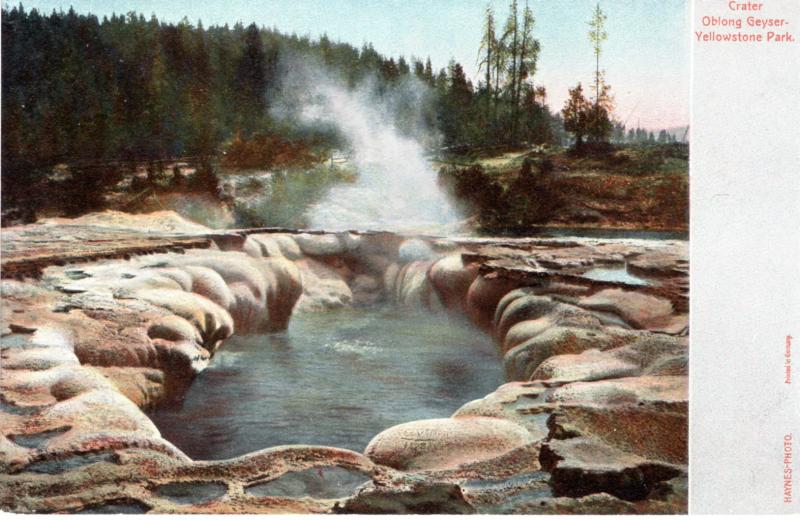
{"x": 334, "y": 379}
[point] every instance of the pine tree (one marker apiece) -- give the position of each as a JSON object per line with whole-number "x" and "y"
{"x": 511, "y": 40}
{"x": 251, "y": 80}
{"x": 488, "y": 46}
{"x": 528, "y": 58}
{"x": 597, "y": 35}
{"x": 600, "y": 120}
{"x": 576, "y": 113}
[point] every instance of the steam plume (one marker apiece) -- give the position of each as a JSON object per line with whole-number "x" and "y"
{"x": 396, "y": 189}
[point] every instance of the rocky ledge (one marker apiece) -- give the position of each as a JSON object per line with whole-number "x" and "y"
{"x": 102, "y": 321}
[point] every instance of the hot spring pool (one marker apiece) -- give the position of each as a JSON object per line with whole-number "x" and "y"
{"x": 334, "y": 379}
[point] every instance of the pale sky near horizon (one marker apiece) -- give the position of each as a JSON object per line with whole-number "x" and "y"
{"x": 646, "y": 56}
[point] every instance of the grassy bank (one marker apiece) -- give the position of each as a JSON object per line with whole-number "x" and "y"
{"x": 630, "y": 187}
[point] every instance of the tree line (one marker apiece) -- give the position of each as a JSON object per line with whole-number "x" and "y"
{"x": 509, "y": 62}
{"x": 127, "y": 90}
{"x": 84, "y": 91}
{"x": 516, "y": 108}
{"x": 591, "y": 117}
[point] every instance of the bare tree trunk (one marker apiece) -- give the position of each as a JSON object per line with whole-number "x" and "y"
{"x": 597, "y": 80}
{"x": 514, "y": 71}
{"x": 489, "y": 71}
{"x": 518, "y": 86}
{"x": 496, "y": 85}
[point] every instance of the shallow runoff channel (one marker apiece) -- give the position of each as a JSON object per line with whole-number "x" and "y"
{"x": 336, "y": 379}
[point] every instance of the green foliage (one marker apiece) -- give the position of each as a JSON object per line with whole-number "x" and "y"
{"x": 599, "y": 119}
{"x": 529, "y": 199}
{"x": 105, "y": 96}
{"x": 593, "y": 120}
{"x": 597, "y": 32}
{"x": 489, "y": 45}
{"x": 658, "y": 158}
{"x": 576, "y": 113}
{"x": 283, "y": 198}
{"x": 599, "y": 124}
{"x": 509, "y": 63}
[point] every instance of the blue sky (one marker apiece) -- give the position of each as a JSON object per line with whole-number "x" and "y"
{"x": 646, "y": 57}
